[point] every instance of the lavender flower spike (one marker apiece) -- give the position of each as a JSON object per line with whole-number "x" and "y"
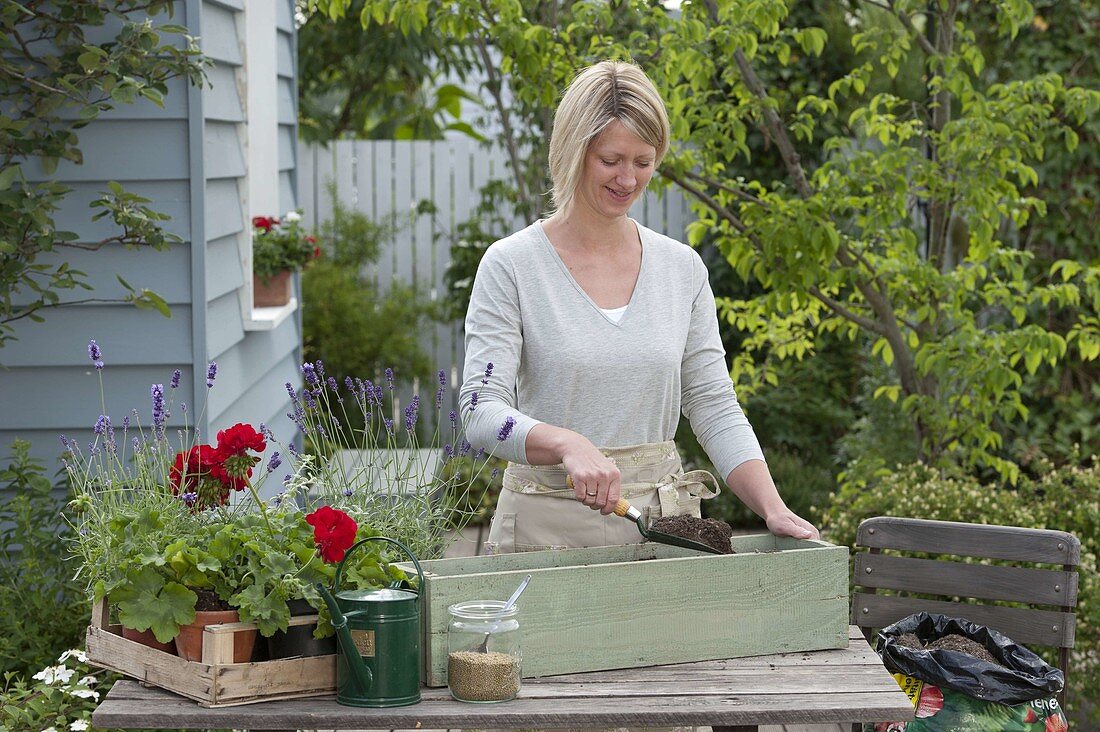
{"x": 102, "y": 424}
{"x": 310, "y": 373}
{"x": 412, "y": 412}
{"x": 389, "y": 378}
{"x": 95, "y": 354}
{"x": 275, "y": 461}
{"x": 506, "y": 429}
{"x": 156, "y": 391}
{"x": 175, "y": 384}
{"x": 211, "y": 372}
{"x": 488, "y": 373}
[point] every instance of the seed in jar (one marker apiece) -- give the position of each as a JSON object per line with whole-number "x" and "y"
{"x": 475, "y": 676}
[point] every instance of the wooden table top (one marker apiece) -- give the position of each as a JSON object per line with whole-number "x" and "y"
{"x": 812, "y": 687}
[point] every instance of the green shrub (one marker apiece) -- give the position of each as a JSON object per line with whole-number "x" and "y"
{"x": 36, "y": 578}
{"x": 347, "y": 321}
{"x": 1046, "y": 497}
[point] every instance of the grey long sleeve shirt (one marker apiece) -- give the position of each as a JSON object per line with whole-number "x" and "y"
{"x": 557, "y": 358}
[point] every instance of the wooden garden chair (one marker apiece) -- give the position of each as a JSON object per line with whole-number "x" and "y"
{"x": 1050, "y": 594}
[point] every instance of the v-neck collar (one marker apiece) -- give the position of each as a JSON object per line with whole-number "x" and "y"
{"x": 577, "y": 286}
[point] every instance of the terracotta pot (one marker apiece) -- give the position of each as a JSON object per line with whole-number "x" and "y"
{"x": 146, "y": 638}
{"x": 189, "y": 641}
{"x": 275, "y": 292}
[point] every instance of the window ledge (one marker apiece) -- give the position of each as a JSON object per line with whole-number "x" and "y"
{"x": 270, "y": 318}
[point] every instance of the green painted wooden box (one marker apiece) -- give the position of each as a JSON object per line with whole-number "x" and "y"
{"x": 648, "y": 604}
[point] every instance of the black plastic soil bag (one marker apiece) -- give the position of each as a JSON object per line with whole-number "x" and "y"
{"x": 1023, "y": 677}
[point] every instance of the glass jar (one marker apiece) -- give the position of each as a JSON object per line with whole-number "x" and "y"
{"x": 483, "y": 651}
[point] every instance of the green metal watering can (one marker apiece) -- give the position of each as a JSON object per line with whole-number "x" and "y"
{"x": 378, "y": 664}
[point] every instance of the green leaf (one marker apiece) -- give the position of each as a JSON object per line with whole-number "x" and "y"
{"x": 149, "y": 602}
{"x": 8, "y": 176}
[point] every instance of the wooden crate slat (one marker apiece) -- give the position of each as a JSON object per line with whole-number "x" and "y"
{"x": 1037, "y": 627}
{"x": 959, "y": 579}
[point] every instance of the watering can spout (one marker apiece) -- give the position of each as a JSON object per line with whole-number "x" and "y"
{"x": 361, "y": 675}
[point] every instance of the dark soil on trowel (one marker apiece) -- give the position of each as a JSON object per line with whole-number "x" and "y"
{"x": 712, "y": 532}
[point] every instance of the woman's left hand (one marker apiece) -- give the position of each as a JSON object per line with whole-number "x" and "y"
{"x": 787, "y": 523}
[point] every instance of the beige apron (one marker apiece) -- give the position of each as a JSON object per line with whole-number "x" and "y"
{"x": 536, "y": 510}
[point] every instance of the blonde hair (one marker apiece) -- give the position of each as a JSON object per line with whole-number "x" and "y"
{"x": 601, "y": 93}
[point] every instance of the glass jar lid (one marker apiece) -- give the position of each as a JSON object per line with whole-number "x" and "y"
{"x": 482, "y": 610}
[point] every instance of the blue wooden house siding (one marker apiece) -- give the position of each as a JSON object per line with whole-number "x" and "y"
{"x": 190, "y": 159}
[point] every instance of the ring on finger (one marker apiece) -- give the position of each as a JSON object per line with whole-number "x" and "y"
{"x": 591, "y": 494}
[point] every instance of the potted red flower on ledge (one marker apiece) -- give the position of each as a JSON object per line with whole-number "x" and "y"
{"x": 279, "y": 247}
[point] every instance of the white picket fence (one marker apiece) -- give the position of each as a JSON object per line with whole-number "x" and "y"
{"x": 383, "y": 178}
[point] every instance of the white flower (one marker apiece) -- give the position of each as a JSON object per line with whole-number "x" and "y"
{"x": 88, "y": 681}
{"x": 85, "y": 694}
{"x": 74, "y": 653}
{"x": 79, "y": 725}
{"x": 53, "y": 674}
{"x": 50, "y": 729}
{"x": 292, "y": 217}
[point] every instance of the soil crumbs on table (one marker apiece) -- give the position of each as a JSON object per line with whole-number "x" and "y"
{"x": 712, "y": 532}
{"x": 951, "y": 642}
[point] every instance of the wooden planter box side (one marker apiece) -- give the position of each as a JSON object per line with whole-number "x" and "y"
{"x": 649, "y": 604}
{"x": 215, "y": 681}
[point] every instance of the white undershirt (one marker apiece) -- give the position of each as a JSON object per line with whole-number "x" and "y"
{"x": 616, "y": 314}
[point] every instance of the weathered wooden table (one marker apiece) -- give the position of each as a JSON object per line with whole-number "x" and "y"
{"x": 814, "y": 687}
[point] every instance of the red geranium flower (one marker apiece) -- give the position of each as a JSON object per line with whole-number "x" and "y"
{"x": 238, "y": 438}
{"x": 234, "y": 465}
{"x": 264, "y": 222}
{"x": 191, "y": 467}
{"x": 333, "y": 532}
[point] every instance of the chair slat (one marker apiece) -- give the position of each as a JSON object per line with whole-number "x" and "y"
{"x": 958, "y": 579}
{"x": 1034, "y": 627}
{"x": 970, "y": 540}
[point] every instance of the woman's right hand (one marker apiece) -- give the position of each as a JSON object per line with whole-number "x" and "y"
{"x": 592, "y": 475}
{"x": 595, "y": 478}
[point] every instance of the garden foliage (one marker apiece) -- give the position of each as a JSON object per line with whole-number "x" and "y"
{"x": 1045, "y": 497}
{"x": 61, "y": 695}
{"x": 349, "y": 322}
{"x": 903, "y": 235}
{"x": 44, "y": 606}
{"x": 56, "y": 79}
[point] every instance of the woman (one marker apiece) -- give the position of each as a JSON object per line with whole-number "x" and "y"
{"x": 600, "y": 331}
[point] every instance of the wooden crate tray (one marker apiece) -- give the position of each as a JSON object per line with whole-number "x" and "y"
{"x": 649, "y": 604}
{"x": 215, "y": 681}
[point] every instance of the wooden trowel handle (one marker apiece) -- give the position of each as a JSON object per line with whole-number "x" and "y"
{"x": 624, "y": 509}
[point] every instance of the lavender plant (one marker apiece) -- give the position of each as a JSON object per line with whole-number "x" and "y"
{"x": 381, "y": 473}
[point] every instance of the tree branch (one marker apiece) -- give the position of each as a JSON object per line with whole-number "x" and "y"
{"x": 907, "y": 21}
{"x": 48, "y": 305}
{"x": 728, "y": 189}
{"x": 494, "y": 85}
{"x": 718, "y": 208}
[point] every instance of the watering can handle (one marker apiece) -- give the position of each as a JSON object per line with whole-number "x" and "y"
{"x": 399, "y": 545}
